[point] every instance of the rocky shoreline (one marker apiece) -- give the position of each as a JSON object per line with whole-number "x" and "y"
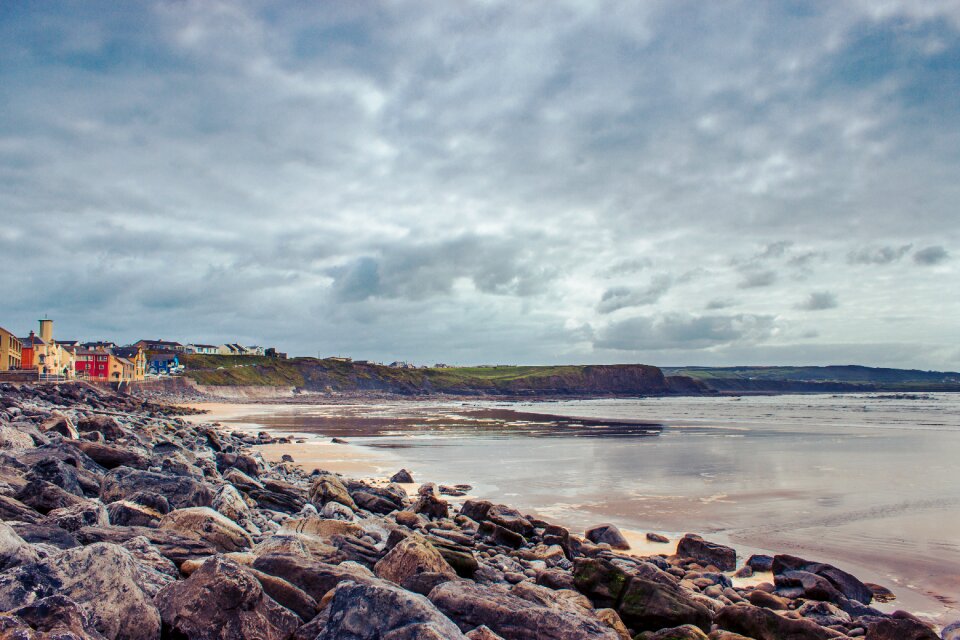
{"x": 122, "y": 520}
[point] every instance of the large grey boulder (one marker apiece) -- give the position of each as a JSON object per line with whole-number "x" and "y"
{"x": 313, "y": 577}
{"x": 102, "y": 578}
{"x": 609, "y": 534}
{"x": 220, "y": 601}
{"x": 411, "y": 556}
{"x": 471, "y": 605}
{"x": 210, "y": 526}
{"x": 380, "y": 610}
{"x": 327, "y": 487}
{"x": 180, "y": 491}
{"x": 842, "y": 581}
{"x": 764, "y": 624}
{"x": 703, "y": 551}
{"x": 14, "y": 550}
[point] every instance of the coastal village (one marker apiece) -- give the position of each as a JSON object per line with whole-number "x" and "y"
{"x": 40, "y": 356}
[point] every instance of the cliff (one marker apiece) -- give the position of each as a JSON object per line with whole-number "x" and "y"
{"x": 334, "y": 376}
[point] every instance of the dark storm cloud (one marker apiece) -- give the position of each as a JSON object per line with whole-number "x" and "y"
{"x": 819, "y": 301}
{"x": 482, "y": 181}
{"x": 931, "y": 255}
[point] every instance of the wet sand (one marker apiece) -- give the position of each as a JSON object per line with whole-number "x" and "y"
{"x": 883, "y": 529}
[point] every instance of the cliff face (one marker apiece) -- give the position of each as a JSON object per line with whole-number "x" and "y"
{"x": 329, "y": 376}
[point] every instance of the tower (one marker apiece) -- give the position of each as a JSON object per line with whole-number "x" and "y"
{"x": 46, "y": 330}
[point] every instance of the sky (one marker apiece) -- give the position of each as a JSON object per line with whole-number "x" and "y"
{"x": 672, "y": 183}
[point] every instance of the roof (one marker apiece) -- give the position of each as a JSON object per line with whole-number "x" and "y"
{"x": 204, "y": 346}
{"x": 163, "y": 357}
{"x": 32, "y": 340}
{"x": 158, "y": 341}
{"x": 126, "y": 352}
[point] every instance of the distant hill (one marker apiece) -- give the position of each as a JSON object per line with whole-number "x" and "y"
{"x": 810, "y": 379}
{"x": 335, "y": 375}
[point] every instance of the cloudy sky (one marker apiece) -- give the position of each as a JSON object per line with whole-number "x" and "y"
{"x": 499, "y": 182}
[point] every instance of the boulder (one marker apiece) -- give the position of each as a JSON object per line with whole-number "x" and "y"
{"x": 510, "y": 518}
{"x": 231, "y": 504}
{"x": 609, "y": 534}
{"x": 102, "y": 578}
{"x": 13, "y": 438}
{"x": 336, "y": 511}
{"x": 411, "y": 556}
{"x": 658, "y": 538}
{"x": 842, "y": 581}
{"x": 471, "y": 605}
{"x": 45, "y": 496}
{"x": 48, "y": 534}
{"x": 176, "y": 547}
{"x": 125, "y": 513}
{"x": 824, "y": 613}
{"x": 612, "y": 619}
{"x": 12, "y": 509}
{"x": 222, "y": 600}
{"x": 55, "y": 617}
{"x": 311, "y": 576}
{"x": 483, "y": 632}
{"x": 720, "y": 556}
{"x": 60, "y": 424}
{"x": 476, "y": 509}
{"x": 379, "y": 609}
{"x": 107, "y": 425}
{"x": 86, "y": 514}
{"x": 286, "y": 594}
{"x": 759, "y": 562}
{"x": 684, "y": 632}
{"x": 111, "y": 456}
{"x": 763, "y": 624}
{"x": 14, "y": 550}
{"x": 649, "y": 605}
{"x": 899, "y": 629}
{"x": 180, "y": 491}
{"x": 403, "y": 476}
{"x": 327, "y": 487}
{"x": 600, "y": 580}
{"x": 210, "y": 526}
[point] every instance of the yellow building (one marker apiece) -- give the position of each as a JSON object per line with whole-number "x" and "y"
{"x": 45, "y": 355}
{"x": 10, "y": 351}
{"x": 138, "y": 360}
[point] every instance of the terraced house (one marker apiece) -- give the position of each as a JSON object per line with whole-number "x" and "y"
{"x": 10, "y": 351}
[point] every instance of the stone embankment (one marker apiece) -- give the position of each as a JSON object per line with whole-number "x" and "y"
{"x": 121, "y": 520}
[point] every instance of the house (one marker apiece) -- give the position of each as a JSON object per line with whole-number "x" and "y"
{"x": 100, "y": 344}
{"x": 137, "y": 357}
{"x": 163, "y": 363}
{"x": 44, "y": 354}
{"x": 254, "y": 350}
{"x": 11, "y": 350}
{"x": 234, "y": 349}
{"x": 203, "y": 349}
{"x": 93, "y": 364}
{"x": 400, "y": 364}
{"x": 160, "y": 345}
{"x": 271, "y": 352}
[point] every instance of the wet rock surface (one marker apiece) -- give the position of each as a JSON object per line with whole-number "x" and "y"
{"x": 118, "y": 519}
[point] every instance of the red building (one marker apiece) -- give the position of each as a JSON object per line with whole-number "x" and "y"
{"x": 92, "y": 365}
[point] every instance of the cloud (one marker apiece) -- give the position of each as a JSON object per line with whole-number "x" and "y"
{"x": 616, "y": 298}
{"x": 719, "y": 303}
{"x": 682, "y": 331}
{"x": 819, "y": 301}
{"x": 931, "y": 255}
{"x": 878, "y": 255}
{"x": 754, "y": 279}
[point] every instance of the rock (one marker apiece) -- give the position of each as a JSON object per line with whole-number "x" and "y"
{"x": 609, "y": 534}
{"x": 313, "y": 577}
{"x": 222, "y": 600}
{"x": 842, "y": 581}
{"x": 483, "y": 632}
{"x": 86, "y": 514}
{"x": 824, "y": 613}
{"x": 380, "y": 609}
{"x": 210, "y": 526}
{"x": 767, "y": 600}
{"x": 599, "y": 580}
{"x": 327, "y": 487}
{"x": 511, "y": 519}
{"x": 760, "y": 562}
{"x": 14, "y": 550}
{"x": 12, "y": 509}
{"x": 286, "y": 594}
{"x": 656, "y": 537}
{"x": 125, "y": 513}
{"x": 648, "y": 605}
{"x": 48, "y": 534}
{"x": 471, "y": 605}
{"x": 177, "y": 547}
{"x": 720, "y": 556}
{"x": 60, "y": 424}
{"x": 501, "y": 535}
{"x": 45, "y": 496}
{"x": 231, "y": 504}
{"x": 476, "y": 509}
{"x": 102, "y": 578}
{"x": 411, "y": 556}
{"x": 13, "y": 438}
{"x": 951, "y": 632}
{"x": 899, "y": 629}
{"x": 763, "y": 624}
{"x": 336, "y": 511}
{"x": 180, "y": 491}
{"x": 432, "y": 506}
{"x": 796, "y": 584}
{"x": 57, "y": 618}
{"x": 684, "y": 632}
{"x": 612, "y": 619}
{"x": 880, "y": 593}
{"x": 106, "y": 425}
{"x": 403, "y": 476}
{"x": 112, "y": 456}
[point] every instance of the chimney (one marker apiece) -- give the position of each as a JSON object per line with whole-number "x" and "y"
{"x": 46, "y": 330}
